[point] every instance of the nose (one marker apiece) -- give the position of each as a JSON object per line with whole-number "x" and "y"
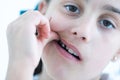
{"x": 82, "y": 31}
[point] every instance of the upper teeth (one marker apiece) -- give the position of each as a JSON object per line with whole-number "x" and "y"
{"x": 68, "y": 49}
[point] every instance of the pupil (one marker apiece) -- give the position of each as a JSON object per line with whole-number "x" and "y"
{"x": 106, "y": 23}
{"x": 72, "y": 8}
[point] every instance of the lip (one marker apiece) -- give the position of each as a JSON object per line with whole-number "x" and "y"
{"x": 66, "y": 54}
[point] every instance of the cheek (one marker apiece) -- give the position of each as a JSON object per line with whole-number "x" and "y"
{"x": 103, "y": 53}
{"x": 58, "y": 24}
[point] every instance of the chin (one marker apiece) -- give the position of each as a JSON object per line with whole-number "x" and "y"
{"x": 60, "y": 68}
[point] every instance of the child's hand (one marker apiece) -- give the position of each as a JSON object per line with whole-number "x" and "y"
{"x": 25, "y": 46}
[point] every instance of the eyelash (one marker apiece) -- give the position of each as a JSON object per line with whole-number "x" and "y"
{"x": 72, "y": 9}
{"x": 107, "y": 24}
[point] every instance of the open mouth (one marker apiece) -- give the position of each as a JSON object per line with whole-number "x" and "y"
{"x": 73, "y": 52}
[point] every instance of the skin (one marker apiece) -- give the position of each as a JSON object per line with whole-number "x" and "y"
{"x": 96, "y": 42}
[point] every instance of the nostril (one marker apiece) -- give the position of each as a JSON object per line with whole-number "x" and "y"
{"x": 75, "y": 33}
{"x": 83, "y": 38}
{"x": 80, "y": 36}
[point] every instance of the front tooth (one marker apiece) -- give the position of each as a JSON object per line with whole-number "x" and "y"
{"x": 63, "y": 45}
{"x": 75, "y": 54}
{"x": 67, "y": 48}
{"x": 71, "y": 51}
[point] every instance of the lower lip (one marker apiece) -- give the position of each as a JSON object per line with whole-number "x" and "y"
{"x": 65, "y": 54}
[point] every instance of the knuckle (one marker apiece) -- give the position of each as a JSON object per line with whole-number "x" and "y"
{"x": 37, "y": 13}
{"x": 9, "y": 28}
{"x": 13, "y": 27}
{"x": 34, "y": 14}
{"x": 32, "y": 17}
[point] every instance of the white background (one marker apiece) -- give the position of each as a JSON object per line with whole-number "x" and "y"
{"x": 9, "y": 10}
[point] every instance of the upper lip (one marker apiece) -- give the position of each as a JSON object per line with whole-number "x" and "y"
{"x": 69, "y": 45}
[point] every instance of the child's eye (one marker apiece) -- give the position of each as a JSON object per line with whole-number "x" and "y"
{"x": 72, "y": 9}
{"x": 106, "y": 24}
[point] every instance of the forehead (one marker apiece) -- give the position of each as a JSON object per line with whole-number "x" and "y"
{"x": 95, "y": 4}
{"x": 100, "y": 2}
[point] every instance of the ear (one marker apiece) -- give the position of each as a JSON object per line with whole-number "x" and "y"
{"x": 116, "y": 56}
{"x": 42, "y": 7}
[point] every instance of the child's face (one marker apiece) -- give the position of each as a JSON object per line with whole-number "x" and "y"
{"x": 91, "y": 28}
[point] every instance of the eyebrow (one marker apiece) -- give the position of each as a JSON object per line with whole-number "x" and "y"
{"x": 112, "y": 9}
